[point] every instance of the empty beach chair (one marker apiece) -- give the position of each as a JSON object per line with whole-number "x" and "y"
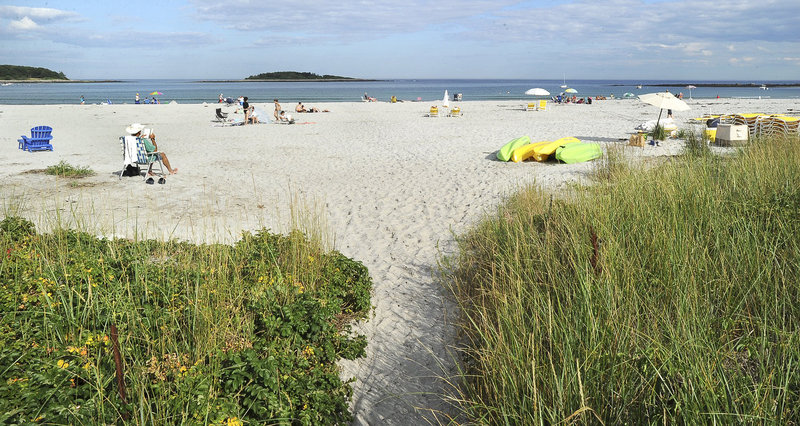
{"x": 531, "y": 106}
{"x": 38, "y": 141}
{"x": 455, "y": 112}
{"x": 543, "y": 105}
{"x": 221, "y": 116}
{"x": 434, "y": 112}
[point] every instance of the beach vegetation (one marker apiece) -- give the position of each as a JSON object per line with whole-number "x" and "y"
{"x": 64, "y": 169}
{"x": 18, "y": 72}
{"x": 665, "y": 295}
{"x": 111, "y": 331}
{"x": 659, "y": 133}
{"x": 295, "y": 75}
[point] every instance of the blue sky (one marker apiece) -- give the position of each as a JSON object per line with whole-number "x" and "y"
{"x": 544, "y": 39}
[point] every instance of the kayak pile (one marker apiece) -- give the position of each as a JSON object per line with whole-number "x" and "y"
{"x": 568, "y": 150}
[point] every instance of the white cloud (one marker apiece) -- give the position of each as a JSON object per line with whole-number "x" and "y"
{"x": 24, "y": 24}
{"x": 19, "y": 12}
{"x": 349, "y": 19}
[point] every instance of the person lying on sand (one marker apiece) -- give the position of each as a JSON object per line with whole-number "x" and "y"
{"x": 149, "y": 138}
{"x": 301, "y": 108}
{"x": 286, "y": 118}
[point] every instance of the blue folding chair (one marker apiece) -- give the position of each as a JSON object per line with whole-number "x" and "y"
{"x": 143, "y": 158}
{"x": 39, "y": 140}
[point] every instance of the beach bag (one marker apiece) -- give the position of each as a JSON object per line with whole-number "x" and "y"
{"x": 637, "y": 140}
{"x": 131, "y": 170}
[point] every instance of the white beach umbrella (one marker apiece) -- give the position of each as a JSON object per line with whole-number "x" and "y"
{"x": 690, "y": 87}
{"x": 537, "y": 91}
{"x": 446, "y": 100}
{"x": 663, "y": 100}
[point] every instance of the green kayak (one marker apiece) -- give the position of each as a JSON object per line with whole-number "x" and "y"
{"x": 578, "y": 152}
{"x": 505, "y": 152}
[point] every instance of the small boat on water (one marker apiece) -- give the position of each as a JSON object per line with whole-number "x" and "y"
{"x": 564, "y": 86}
{"x": 7, "y": 84}
{"x": 764, "y": 87}
{"x": 639, "y": 86}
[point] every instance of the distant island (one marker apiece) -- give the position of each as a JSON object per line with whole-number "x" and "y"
{"x": 294, "y": 75}
{"x": 288, "y": 76}
{"x": 20, "y": 73}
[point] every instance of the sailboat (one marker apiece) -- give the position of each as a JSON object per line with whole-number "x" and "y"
{"x": 564, "y": 86}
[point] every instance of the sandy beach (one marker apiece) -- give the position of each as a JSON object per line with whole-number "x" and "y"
{"x": 392, "y": 185}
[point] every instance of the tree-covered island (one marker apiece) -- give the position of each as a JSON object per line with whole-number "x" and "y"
{"x": 18, "y": 72}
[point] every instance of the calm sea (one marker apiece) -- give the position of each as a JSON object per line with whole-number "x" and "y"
{"x": 190, "y": 91}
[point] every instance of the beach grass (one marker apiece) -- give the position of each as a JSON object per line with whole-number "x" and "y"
{"x": 666, "y": 295}
{"x": 64, "y": 169}
{"x": 96, "y": 330}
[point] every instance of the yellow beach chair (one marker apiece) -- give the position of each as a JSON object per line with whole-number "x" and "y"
{"x": 542, "y": 105}
{"x": 531, "y": 106}
{"x": 455, "y": 112}
{"x": 434, "y": 112}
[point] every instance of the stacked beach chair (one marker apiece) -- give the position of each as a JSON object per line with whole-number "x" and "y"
{"x": 38, "y": 141}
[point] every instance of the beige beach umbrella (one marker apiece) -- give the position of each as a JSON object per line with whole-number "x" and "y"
{"x": 663, "y": 100}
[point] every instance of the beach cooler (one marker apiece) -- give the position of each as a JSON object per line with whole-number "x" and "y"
{"x": 732, "y": 135}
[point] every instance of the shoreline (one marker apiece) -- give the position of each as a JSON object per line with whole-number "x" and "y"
{"x": 61, "y": 81}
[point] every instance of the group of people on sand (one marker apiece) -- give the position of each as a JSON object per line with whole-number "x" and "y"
{"x": 253, "y": 115}
{"x": 561, "y": 98}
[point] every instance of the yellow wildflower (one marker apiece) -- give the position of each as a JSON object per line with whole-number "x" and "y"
{"x": 62, "y": 364}
{"x": 87, "y": 366}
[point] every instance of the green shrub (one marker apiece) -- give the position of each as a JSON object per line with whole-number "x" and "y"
{"x": 64, "y": 169}
{"x": 249, "y": 333}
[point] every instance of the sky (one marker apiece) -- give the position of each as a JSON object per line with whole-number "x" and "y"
{"x": 540, "y": 39}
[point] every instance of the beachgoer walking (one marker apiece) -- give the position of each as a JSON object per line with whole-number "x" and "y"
{"x": 278, "y": 110}
{"x": 82, "y": 100}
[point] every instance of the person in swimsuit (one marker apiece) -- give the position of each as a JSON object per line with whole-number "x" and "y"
{"x": 277, "y": 110}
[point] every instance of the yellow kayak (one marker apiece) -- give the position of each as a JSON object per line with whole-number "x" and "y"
{"x": 541, "y": 152}
{"x": 525, "y": 151}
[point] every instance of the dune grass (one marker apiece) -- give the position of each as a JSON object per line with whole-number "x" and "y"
{"x": 248, "y": 333}
{"x": 64, "y": 169}
{"x": 659, "y": 296}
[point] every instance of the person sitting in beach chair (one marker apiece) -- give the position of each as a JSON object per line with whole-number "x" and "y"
{"x": 148, "y": 139}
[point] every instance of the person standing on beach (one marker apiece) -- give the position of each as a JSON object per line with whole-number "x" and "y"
{"x": 82, "y": 100}
{"x": 137, "y": 99}
{"x": 247, "y": 109}
{"x": 278, "y": 110}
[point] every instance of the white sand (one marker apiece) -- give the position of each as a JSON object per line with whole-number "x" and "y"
{"x": 391, "y": 183}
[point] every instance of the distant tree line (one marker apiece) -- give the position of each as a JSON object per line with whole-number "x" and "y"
{"x": 18, "y": 72}
{"x": 294, "y": 75}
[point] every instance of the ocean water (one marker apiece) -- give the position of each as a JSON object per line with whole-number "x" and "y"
{"x": 191, "y": 91}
